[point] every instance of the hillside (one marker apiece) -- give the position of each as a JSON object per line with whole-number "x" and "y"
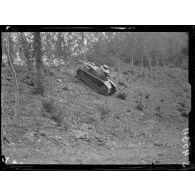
{"x": 141, "y": 123}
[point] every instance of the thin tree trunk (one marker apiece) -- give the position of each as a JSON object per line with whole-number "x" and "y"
{"x": 158, "y": 65}
{"x": 142, "y": 66}
{"x": 15, "y": 79}
{"x": 39, "y": 64}
{"x": 10, "y": 51}
{"x": 164, "y": 65}
{"x": 83, "y": 41}
{"x": 132, "y": 62}
{"x": 150, "y": 65}
{"x": 64, "y": 50}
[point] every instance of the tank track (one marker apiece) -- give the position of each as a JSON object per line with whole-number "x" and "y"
{"x": 113, "y": 90}
{"x": 94, "y": 83}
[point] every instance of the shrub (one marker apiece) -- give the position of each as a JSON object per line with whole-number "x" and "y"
{"x": 65, "y": 88}
{"x": 48, "y": 106}
{"x": 104, "y": 111}
{"x": 38, "y": 90}
{"x": 51, "y": 110}
{"x": 122, "y": 84}
{"x": 57, "y": 117}
{"x": 157, "y": 108}
{"x": 122, "y": 96}
{"x": 131, "y": 71}
{"x": 126, "y": 73}
{"x": 184, "y": 114}
{"x": 140, "y": 106}
{"x": 182, "y": 110}
{"x": 158, "y": 112}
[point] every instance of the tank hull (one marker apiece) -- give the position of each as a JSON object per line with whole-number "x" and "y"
{"x": 99, "y": 83}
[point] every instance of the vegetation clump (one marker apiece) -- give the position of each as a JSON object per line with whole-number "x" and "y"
{"x": 104, "y": 111}
{"x": 182, "y": 110}
{"x": 158, "y": 111}
{"x": 140, "y": 106}
{"x": 51, "y": 110}
{"x": 122, "y": 84}
{"x": 122, "y": 96}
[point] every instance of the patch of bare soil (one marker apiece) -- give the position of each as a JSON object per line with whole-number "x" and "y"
{"x": 141, "y": 123}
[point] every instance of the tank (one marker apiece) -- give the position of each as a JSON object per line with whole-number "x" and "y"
{"x": 93, "y": 76}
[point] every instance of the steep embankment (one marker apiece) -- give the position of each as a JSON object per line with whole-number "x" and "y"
{"x": 141, "y": 123}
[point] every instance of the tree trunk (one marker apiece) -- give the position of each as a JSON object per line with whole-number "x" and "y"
{"x": 83, "y": 41}
{"x": 158, "y": 65}
{"x": 132, "y": 62}
{"x": 15, "y": 79}
{"x": 164, "y": 65}
{"x": 150, "y": 65}
{"x": 119, "y": 60}
{"x": 9, "y": 44}
{"x": 64, "y": 50}
{"x": 25, "y": 51}
{"x": 39, "y": 64}
{"x": 142, "y": 66}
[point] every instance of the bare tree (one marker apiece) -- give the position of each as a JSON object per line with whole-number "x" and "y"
{"x": 15, "y": 78}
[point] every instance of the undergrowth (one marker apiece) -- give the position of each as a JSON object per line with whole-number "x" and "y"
{"x": 51, "y": 110}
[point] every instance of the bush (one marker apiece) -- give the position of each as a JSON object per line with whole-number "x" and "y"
{"x": 48, "y": 106}
{"x": 182, "y": 110}
{"x": 38, "y": 90}
{"x": 104, "y": 111}
{"x": 158, "y": 112}
{"x": 65, "y": 88}
{"x": 126, "y": 73}
{"x": 184, "y": 114}
{"x": 57, "y": 117}
{"x": 122, "y": 96}
{"x": 122, "y": 84}
{"x": 140, "y": 106}
{"x": 51, "y": 110}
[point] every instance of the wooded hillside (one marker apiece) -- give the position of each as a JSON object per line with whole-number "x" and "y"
{"x": 50, "y": 116}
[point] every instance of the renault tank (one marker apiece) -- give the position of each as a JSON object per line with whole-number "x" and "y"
{"x": 96, "y": 78}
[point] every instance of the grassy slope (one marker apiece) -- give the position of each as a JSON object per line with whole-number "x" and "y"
{"x": 146, "y": 127}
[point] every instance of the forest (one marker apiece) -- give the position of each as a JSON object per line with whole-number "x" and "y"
{"x": 112, "y": 48}
{"x": 49, "y": 116}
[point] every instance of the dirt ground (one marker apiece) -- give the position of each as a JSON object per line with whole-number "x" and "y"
{"x": 144, "y": 127}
